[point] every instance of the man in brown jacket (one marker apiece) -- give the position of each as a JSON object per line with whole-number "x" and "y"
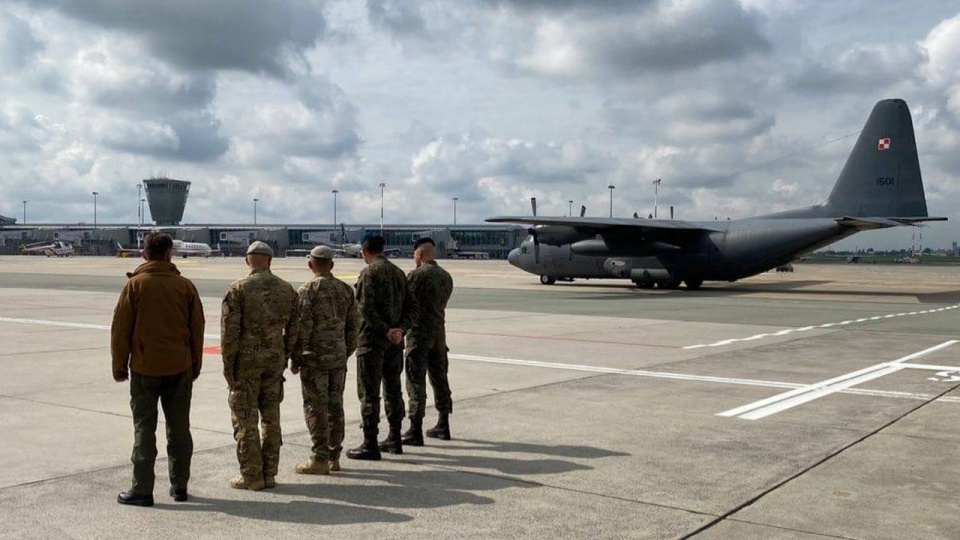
{"x": 157, "y": 343}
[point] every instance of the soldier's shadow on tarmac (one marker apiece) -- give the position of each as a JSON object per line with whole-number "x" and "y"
{"x": 309, "y": 513}
{"x": 451, "y": 455}
{"x": 559, "y": 450}
{"x": 402, "y": 488}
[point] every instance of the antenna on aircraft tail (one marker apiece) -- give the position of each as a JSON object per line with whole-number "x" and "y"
{"x": 533, "y": 231}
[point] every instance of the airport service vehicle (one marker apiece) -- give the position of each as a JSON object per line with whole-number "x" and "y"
{"x": 50, "y": 249}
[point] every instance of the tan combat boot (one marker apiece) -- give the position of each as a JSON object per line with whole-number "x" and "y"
{"x": 312, "y": 466}
{"x": 239, "y": 482}
{"x": 334, "y": 459}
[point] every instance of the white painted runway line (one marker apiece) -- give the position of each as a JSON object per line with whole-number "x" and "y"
{"x": 588, "y": 368}
{"x": 788, "y": 400}
{"x": 825, "y": 325}
{"x": 65, "y": 324}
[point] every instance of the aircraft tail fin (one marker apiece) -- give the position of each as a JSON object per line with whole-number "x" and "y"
{"x": 881, "y": 177}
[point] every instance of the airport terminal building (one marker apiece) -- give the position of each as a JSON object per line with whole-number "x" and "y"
{"x": 167, "y": 198}
{"x": 487, "y": 241}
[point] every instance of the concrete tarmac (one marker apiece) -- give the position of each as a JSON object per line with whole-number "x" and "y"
{"x": 817, "y": 404}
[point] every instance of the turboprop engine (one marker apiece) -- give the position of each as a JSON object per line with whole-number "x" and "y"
{"x": 559, "y": 235}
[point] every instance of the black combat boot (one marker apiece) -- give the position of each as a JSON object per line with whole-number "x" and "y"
{"x": 414, "y": 435}
{"x": 442, "y": 429}
{"x": 393, "y": 443}
{"x": 368, "y": 450}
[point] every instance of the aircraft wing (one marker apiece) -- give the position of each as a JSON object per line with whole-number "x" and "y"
{"x": 620, "y": 236}
{"x": 600, "y": 224}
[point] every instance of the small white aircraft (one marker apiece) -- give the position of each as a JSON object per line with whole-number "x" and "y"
{"x": 346, "y": 249}
{"x": 180, "y": 249}
{"x": 50, "y": 249}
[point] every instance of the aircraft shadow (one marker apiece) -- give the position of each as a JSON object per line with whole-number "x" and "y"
{"x": 305, "y": 512}
{"x": 797, "y": 288}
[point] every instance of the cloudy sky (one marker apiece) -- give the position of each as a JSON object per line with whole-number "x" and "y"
{"x": 741, "y": 108}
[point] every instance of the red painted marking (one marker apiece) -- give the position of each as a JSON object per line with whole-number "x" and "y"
{"x": 575, "y": 340}
{"x": 211, "y": 350}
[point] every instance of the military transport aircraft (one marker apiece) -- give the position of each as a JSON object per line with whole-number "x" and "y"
{"x": 879, "y": 187}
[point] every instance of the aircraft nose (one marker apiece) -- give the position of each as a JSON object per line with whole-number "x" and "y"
{"x": 514, "y": 257}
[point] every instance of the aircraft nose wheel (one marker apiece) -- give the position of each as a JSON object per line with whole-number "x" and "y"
{"x": 547, "y": 280}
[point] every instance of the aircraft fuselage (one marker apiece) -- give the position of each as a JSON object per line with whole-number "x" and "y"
{"x": 738, "y": 250}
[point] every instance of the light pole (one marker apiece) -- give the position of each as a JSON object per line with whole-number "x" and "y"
{"x": 455, "y": 199}
{"x": 656, "y": 193}
{"x": 382, "y": 185}
{"x": 139, "y": 206}
{"x": 95, "y": 193}
{"x": 255, "y": 201}
{"x": 335, "y": 208}
{"x": 24, "y": 212}
{"x": 570, "y": 213}
{"x": 611, "y": 187}
{"x": 140, "y": 229}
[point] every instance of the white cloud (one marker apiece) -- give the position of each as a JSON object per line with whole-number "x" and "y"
{"x": 491, "y": 101}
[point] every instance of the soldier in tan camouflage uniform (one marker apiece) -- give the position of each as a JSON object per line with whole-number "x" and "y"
{"x": 426, "y": 351}
{"x": 258, "y": 331}
{"x": 387, "y": 310}
{"x": 329, "y": 322}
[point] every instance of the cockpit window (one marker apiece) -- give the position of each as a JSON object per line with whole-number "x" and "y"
{"x": 523, "y": 250}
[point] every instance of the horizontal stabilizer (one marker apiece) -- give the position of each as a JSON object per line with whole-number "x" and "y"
{"x": 866, "y": 223}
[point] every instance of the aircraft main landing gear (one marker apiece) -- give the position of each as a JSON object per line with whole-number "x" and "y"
{"x": 547, "y": 280}
{"x": 670, "y": 284}
{"x": 693, "y": 284}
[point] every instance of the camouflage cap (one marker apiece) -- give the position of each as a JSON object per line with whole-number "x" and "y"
{"x": 260, "y": 248}
{"x": 321, "y": 252}
{"x": 370, "y": 235}
{"x": 422, "y": 241}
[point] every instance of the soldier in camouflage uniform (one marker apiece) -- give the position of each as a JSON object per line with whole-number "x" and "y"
{"x": 426, "y": 351}
{"x": 258, "y": 331}
{"x": 387, "y": 310}
{"x": 329, "y": 322}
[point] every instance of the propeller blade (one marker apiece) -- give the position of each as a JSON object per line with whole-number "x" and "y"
{"x": 583, "y": 211}
{"x": 532, "y": 231}
{"x": 533, "y": 205}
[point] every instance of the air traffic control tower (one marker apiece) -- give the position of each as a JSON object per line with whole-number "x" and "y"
{"x": 167, "y": 199}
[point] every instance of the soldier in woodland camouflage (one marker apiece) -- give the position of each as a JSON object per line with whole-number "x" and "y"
{"x": 387, "y": 311}
{"x": 258, "y": 333}
{"x": 329, "y": 322}
{"x": 426, "y": 351}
